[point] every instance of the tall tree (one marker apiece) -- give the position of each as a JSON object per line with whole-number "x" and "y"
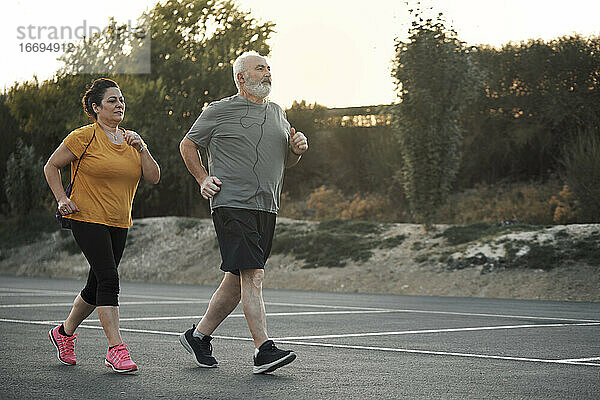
{"x": 539, "y": 95}
{"x": 194, "y": 45}
{"x": 435, "y": 79}
{"x": 192, "y": 48}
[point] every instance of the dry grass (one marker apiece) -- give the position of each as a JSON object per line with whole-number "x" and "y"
{"x": 530, "y": 203}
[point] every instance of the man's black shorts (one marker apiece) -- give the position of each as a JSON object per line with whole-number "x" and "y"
{"x": 245, "y": 237}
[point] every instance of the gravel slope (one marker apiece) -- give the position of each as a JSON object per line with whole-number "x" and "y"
{"x": 184, "y": 250}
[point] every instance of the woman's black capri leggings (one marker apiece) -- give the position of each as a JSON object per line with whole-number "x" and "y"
{"x": 103, "y": 247}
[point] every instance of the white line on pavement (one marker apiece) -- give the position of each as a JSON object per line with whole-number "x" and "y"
{"x": 340, "y": 346}
{"x": 30, "y": 290}
{"x": 280, "y": 314}
{"x": 182, "y": 300}
{"x": 36, "y": 305}
{"x": 582, "y": 359}
{"x": 440, "y": 353}
{"x": 120, "y": 303}
{"x": 40, "y": 292}
{"x": 69, "y": 294}
{"x": 471, "y": 329}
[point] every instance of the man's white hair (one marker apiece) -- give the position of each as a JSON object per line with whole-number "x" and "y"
{"x": 239, "y": 65}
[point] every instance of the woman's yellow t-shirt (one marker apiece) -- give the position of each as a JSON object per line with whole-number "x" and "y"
{"x": 107, "y": 179}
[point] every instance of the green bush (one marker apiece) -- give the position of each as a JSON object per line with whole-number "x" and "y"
{"x": 581, "y": 164}
{"x": 541, "y": 256}
{"x": 467, "y": 233}
{"x": 587, "y": 249}
{"x": 392, "y": 242}
{"x": 436, "y": 80}
{"x": 331, "y": 244}
{"x": 16, "y": 231}
{"x": 24, "y": 182}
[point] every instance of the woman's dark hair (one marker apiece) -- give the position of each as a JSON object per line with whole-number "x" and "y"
{"x": 95, "y": 94}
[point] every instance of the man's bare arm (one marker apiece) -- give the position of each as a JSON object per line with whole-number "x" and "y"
{"x": 298, "y": 145}
{"x": 209, "y": 185}
{"x": 192, "y": 160}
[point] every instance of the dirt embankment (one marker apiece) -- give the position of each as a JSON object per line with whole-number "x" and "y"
{"x": 531, "y": 264}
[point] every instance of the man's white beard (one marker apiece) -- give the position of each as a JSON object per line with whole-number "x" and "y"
{"x": 258, "y": 89}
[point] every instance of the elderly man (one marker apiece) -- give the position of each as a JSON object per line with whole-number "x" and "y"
{"x": 249, "y": 143}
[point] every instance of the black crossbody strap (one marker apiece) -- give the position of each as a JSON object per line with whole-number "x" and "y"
{"x": 79, "y": 161}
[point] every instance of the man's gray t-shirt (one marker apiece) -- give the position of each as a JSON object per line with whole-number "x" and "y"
{"x": 247, "y": 146}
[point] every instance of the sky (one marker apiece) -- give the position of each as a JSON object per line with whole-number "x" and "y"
{"x": 337, "y": 53}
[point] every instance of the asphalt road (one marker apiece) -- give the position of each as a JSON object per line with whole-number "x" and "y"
{"x": 349, "y": 346}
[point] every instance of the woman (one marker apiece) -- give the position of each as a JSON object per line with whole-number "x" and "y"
{"x": 111, "y": 162}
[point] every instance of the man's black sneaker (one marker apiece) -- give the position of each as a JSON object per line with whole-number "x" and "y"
{"x": 269, "y": 358}
{"x": 200, "y": 348}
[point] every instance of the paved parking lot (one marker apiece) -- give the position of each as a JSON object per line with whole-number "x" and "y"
{"x": 349, "y": 346}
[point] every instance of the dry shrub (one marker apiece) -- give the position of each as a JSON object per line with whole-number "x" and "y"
{"x": 331, "y": 204}
{"x": 294, "y": 208}
{"x": 524, "y": 202}
{"x": 566, "y": 207}
{"x": 529, "y": 203}
{"x": 372, "y": 207}
{"x": 327, "y": 203}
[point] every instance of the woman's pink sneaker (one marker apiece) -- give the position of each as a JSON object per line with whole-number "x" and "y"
{"x": 65, "y": 346}
{"x": 119, "y": 360}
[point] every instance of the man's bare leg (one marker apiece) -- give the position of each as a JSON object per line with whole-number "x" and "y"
{"x": 253, "y": 304}
{"x": 222, "y": 303}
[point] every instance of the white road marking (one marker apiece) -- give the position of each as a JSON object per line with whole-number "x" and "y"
{"x": 582, "y": 359}
{"x": 187, "y": 300}
{"x": 498, "y": 315}
{"x": 36, "y": 305}
{"x": 30, "y": 290}
{"x": 342, "y": 346}
{"x": 20, "y": 321}
{"x": 33, "y": 292}
{"x": 40, "y": 292}
{"x": 436, "y": 312}
{"x": 69, "y": 294}
{"x": 120, "y": 303}
{"x": 441, "y": 353}
{"x": 383, "y": 310}
{"x": 281, "y": 314}
{"x": 470, "y": 329}
{"x": 32, "y": 295}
